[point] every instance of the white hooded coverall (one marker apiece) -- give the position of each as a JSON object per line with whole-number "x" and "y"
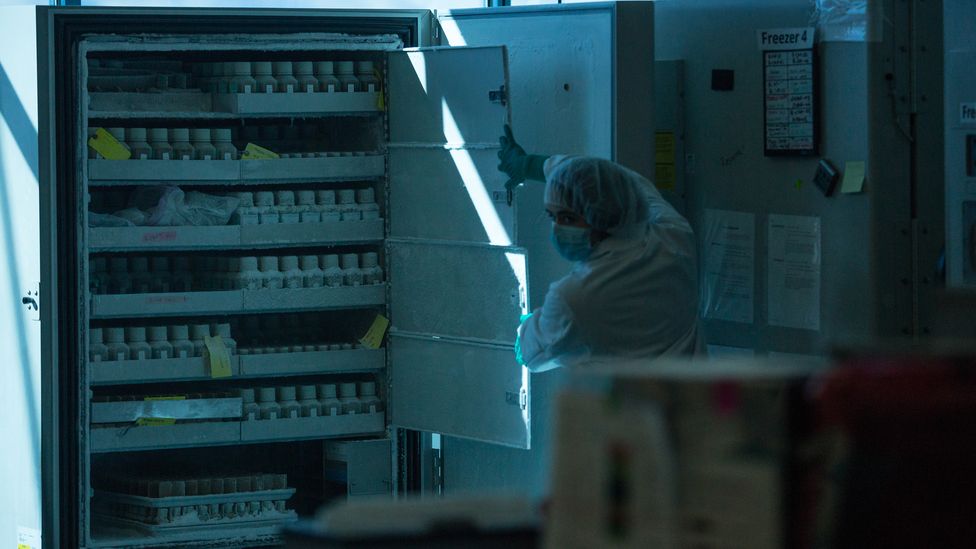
{"x": 636, "y": 295}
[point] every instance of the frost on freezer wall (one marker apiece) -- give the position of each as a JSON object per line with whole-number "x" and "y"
{"x": 20, "y": 506}
{"x": 848, "y": 20}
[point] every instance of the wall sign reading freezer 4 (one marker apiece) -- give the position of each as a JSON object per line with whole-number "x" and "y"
{"x": 789, "y": 91}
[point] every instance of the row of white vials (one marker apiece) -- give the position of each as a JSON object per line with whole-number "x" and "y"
{"x": 305, "y": 206}
{"x": 323, "y": 399}
{"x": 286, "y": 76}
{"x": 121, "y": 275}
{"x": 196, "y": 144}
{"x": 164, "y": 488}
{"x": 155, "y": 342}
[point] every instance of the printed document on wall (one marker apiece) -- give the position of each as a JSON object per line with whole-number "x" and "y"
{"x": 729, "y": 265}
{"x": 793, "y": 269}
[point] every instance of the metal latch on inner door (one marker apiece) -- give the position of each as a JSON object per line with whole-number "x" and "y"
{"x": 499, "y": 96}
{"x": 520, "y": 399}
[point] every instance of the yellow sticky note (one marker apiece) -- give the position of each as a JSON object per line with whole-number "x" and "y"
{"x": 257, "y": 152}
{"x": 853, "y": 177}
{"x": 664, "y": 147}
{"x": 23, "y": 546}
{"x": 665, "y": 177}
{"x": 155, "y": 421}
{"x": 166, "y": 397}
{"x": 108, "y": 146}
{"x": 374, "y": 336}
{"x": 219, "y": 357}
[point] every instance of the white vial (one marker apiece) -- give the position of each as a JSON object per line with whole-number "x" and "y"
{"x": 159, "y": 342}
{"x": 97, "y": 351}
{"x": 98, "y": 276}
{"x": 306, "y": 81}
{"x": 307, "y": 211}
{"x": 291, "y": 272}
{"x": 242, "y": 82}
{"x": 264, "y": 201}
{"x": 262, "y": 76}
{"x": 202, "y": 147}
{"x": 347, "y": 205}
{"x": 285, "y": 206}
{"x": 139, "y": 273}
{"x": 325, "y": 73}
{"x": 372, "y": 272}
{"x": 119, "y": 135}
{"x": 367, "y": 79}
{"x": 197, "y": 334}
{"x": 328, "y": 400}
{"x": 179, "y": 338}
{"x": 222, "y": 143}
{"x": 352, "y": 275}
{"x": 159, "y": 142}
{"x": 331, "y": 271}
{"x": 223, "y": 330}
{"x": 117, "y": 349}
{"x": 286, "y": 82}
{"x": 350, "y": 402}
{"x": 286, "y": 400}
{"x": 119, "y": 275}
{"x": 371, "y": 403}
{"x": 268, "y": 404}
{"x": 182, "y": 279}
{"x": 251, "y": 410}
{"x": 161, "y": 277}
{"x": 308, "y": 401}
{"x": 249, "y": 277}
{"x": 138, "y": 146}
{"x": 312, "y": 275}
{"x": 367, "y": 203}
{"x": 345, "y": 72}
{"x": 325, "y": 201}
{"x": 180, "y": 139}
{"x": 272, "y": 277}
{"x": 247, "y": 213}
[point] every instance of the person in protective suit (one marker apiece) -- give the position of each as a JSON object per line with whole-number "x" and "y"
{"x": 632, "y": 292}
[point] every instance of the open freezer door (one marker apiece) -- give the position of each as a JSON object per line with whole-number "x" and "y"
{"x": 457, "y": 286}
{"x": 447, "y": 108}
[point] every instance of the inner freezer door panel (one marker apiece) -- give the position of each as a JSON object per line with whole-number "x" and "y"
{"x": 447, "y": 109}
{"x": 455, "y": 309}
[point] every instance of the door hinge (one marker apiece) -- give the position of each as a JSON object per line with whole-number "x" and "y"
{"x": 499, "y": 96}
{"x": 437, "y": 475}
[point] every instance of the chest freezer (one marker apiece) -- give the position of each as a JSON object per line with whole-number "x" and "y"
{"x": 291, "y": 213}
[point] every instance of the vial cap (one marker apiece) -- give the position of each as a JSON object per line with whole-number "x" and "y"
{"x": 286, "y": 198}
{"x": 347, "y": 390}
{"x": 367, "y": 388}
{"x": 347, "y": 196}
{"x": 289, "y": 263}
{"x": 223, "y": 330}
{"x": 118, "y": 133}
{"x": 221, "y": 135}
{"x": 282, "y": 68}
{"x": 325, "y": 197}
{"x": 158, "y": 135}
{"x": 249, "y": 263}
{"x": 135, "y": 134}
{"x": 157, "y": 333}
{"x": 266, "y": 394}
{"x": 329, "y": 261}
{"x": 178, "y": 332}
{"x": 345, "y": 67}
{"x": 365, "y": 68}
{"x": 306, "y": 198}
{"x": 95, "y": 335}
{"x": 350, "y": 261}
{"x": 324, "y": 67}
{"x": 179, "y": 134}
{"x": 269, "y": 263}
{"x": 264, "y": 198}
{"x": 327, "y": 390}
{"x": 242, "y": 68}
{"x": 115, "y": 335}
{"x": 199, "y": 331}
{"x": 365, "y": 196}
{"x": 246, "y": 199}
{"x": 262, "y": 68}
{"x": 303, "y": 67}
{"x": 310, "y": 262}
{"x": 201, "y": 135}
{"x": 247, "y": 396}
{"x": 369, "y": 259}
{"x": 286, "y": 392}
{"x": 135, "y": 334}
{"x": 307, "y": 392}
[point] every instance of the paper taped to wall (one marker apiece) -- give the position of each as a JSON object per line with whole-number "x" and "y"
{"x": 793, "y": 271}
{"x": 729, "y": 252}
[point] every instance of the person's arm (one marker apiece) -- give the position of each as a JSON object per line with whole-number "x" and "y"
{"x": 515, "y": 163}
{"x": 546, "y": 334}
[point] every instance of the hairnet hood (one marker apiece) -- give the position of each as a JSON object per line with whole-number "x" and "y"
{"x": 610, "y": 198}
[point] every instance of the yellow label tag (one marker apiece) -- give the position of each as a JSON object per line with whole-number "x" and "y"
{"x": 108, "y": 146}
{"x": 219, "y": 357}
{"x": 166, "y": 397}
{"x": 257, "y": 152}
{"x": 380, "y": 100}
{"x": 155, "y": 421}
{"x": 374, "y": 336}
{"x": 665, "y": 174}
{"x": 23, "y": 546}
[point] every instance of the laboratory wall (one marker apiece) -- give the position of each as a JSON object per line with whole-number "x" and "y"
{"x": 20, "y": 475}
{"x": 726, "y": 170}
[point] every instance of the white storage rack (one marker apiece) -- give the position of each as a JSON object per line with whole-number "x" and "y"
{"x": 101, "y": 109}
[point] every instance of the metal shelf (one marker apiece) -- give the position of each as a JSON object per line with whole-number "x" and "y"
{"x": 228, "y": 172}
{"x": 124, "y": 372}
{"x": 191, "y": 104}
{"x": 279, "y": 235}
{"x": 235, "y": 301}
{"x": 185, "y": 435}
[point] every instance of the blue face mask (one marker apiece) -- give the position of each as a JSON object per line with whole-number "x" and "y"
{"x": 573, "y": 243}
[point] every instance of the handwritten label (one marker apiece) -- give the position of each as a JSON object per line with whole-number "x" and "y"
{"x": 374, "y": 336}
{"x": 161, "y": 236}
{"x": 159, "y": 299}
{"x": 967, "y": 113}
{"x": 219, "y": 357}
{"x": 108, "y": 146}
{"x": 155, "y": 421}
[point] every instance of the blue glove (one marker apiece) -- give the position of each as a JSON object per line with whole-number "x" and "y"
{"x": 516, "y": 164}
{"x": 518, "y": 339}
